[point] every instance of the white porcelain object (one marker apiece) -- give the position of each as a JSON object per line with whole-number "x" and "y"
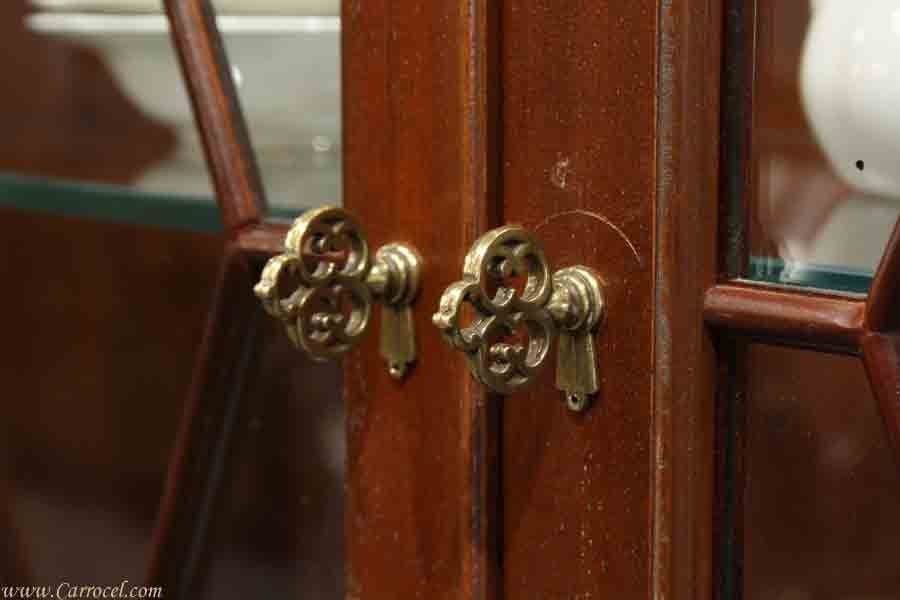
{"x": 850, "y": 85}
{"x": 287, "y": 70}
{"x": 319, "y": 8}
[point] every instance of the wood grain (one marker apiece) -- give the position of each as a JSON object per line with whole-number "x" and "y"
{"x": 881, "y": 354}
{"x": 418, "y": 168}
{"x": 829, "y": 323}
{"x": 685, "y": 383}
{"x": 229, "y": 158}
{"x": 579, "y": 148}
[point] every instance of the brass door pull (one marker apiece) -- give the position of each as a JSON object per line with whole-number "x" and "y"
{"x": 323, "y": 285}
{"x": 569, "y": 304}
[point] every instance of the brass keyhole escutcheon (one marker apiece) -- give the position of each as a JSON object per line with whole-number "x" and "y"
{"x": 508, "y": 283}
{"x": 323, "y": 286}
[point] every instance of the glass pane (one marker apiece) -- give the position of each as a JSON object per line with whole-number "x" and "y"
{"x": 821, "y": 486}
{"x": 98, "y": 351}
{"x": 823, "y": 186}
{"x": 279, "y": 529}
{"x": 115, "y": 124}
{"x": 288, "y": 74}
{"x": 109, "y": 313}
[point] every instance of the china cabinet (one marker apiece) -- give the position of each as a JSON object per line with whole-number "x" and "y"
{"x": 672, "y": 369}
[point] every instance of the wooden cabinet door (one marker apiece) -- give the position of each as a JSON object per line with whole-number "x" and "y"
{"x": 614, "y": 132}
{"x": 595, "y": 126}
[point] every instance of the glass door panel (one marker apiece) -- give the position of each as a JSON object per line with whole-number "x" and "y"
{"x": 116, "y": 138}
{"x": 98, "y": 354}
{"x": 820, "y": 485}
{"x": 278, "y": 528}
{"x": 109, "y": 312}
{"x": 821, "y": 194}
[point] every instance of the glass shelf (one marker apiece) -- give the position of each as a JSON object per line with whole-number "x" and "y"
{"x": 116, "y": 204}
{"x": 111, "y": 203}
{"x": 832, "y": 278}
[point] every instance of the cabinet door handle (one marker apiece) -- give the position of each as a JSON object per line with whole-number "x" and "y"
{"x": 507, "y": 281}
{"x": 323, "y": 285}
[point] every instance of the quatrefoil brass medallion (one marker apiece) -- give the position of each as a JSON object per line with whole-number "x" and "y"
{"x": 323, "y": 286}
{"x": 519, "y": 309}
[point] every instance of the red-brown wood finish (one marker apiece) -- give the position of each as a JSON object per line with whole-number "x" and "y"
{"x": 881, "y": 344}
{"x": 808, "y": 319}
{"x": 881, "y": 354}
{"x": 600, "y": 104}
{"x": 231, "y": 163}
{"x": 264, "y": 239}
{"x": 827, "y": 323}
{"x": 578, "y": 154}
{"x": 687, "y": 182}
{"x": 883, "y": 303}
{"x": 418, "y": 168}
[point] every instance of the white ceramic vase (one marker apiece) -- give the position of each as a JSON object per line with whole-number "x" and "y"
{"x": 850, "y": 85}
{"x": 850, "y": 88}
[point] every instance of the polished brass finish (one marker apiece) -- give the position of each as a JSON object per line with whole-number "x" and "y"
{"x": 395, "y": 279}
{"x": 577, "y": 307}
{"x": 323, "y": 285}
{"x": 568, "y": 304}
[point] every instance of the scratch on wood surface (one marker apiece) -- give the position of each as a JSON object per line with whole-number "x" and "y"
{"x": 599, "y": 217}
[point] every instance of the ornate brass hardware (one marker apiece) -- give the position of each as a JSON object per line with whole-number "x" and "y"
{"x": 322, "y": 288}
{"x": 569, "y": 304}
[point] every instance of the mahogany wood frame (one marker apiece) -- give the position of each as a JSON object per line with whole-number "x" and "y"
{"x": 692, "y": 42}
{"x": 867, "y": 327}
{"x": 423, "y": 145}
{"x": 204, "y": 440}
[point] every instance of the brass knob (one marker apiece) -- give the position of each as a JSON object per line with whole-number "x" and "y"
{"x": 519, "y": 308}
{"x": 323, "y": 286}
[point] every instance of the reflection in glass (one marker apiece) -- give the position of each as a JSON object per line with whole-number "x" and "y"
{"x": 285, "y": 63}
{"x": 821, "y": 487}
{"x": 97, "y": 361}
{"x": 278, "y": 531}
{"x": 108, "y": 316}
{"x": 824, "y": 194}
